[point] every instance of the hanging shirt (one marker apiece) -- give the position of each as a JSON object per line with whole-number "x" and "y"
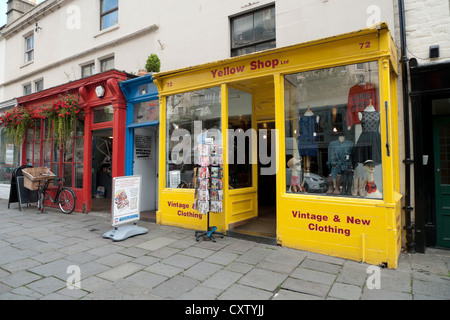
{"x": 360, "y": 97}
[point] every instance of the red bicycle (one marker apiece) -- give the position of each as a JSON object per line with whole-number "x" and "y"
{"x": 65, "y": 198}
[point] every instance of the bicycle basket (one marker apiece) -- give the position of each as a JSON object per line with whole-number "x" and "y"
{"x": 33, "y": 176}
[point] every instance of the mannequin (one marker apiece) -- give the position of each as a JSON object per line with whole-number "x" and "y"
{"x": 296, "y": 167}
{"x": 339, "y": 163}
{"x": 368, "y": 145}
{"x": 371, "y": 190}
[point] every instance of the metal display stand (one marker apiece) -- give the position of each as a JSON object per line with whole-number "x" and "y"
{"x": 210, "y": 233}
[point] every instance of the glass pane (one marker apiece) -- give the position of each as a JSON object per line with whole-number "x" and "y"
{"x": 29, "y": 152}
{"x": 37, "y": 132}
{"x": 266, "y": 46}
{"x": 242, "y": 31}
{"x": 56, "y": 151}
{"x": 67, "y": 174}
{"x": 55, "y": 169}
{"x": 191, "y": 117}
{"x": 146, "y": 111}
{"x": 37, "y": 151}
{"x": 109, "y": 4}
{"x": 68, "y": 150}
{"x": 333, "y": 141}
{"x": 265, "y": 24}
{"x": 79, "y": 149}
{"x": 240, "y": 147}
{"x": 110, "y": 19}
{"x": 78, "y": 176}
{"x": 80, "y": 128}
{"x": 30, "y": 134}
{"x": 103, "y": 114}
{"x": 29, "y": 43}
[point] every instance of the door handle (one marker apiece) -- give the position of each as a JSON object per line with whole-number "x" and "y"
{"x": 438, "y": 170}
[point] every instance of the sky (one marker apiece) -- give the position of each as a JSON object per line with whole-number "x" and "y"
{"x": 3, "y": 11}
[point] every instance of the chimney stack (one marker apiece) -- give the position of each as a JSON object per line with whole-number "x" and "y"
{"x": 17, "y": 8}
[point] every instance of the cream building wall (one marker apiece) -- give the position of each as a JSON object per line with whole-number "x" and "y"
{"x": 427, "y": 24}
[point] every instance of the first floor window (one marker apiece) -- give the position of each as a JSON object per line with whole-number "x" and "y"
{"x": 26, "y": 89}
{"x": 107, "y": 64}
{"x": 87, "y": 70}
{"x": 252, "y": 32}
{"x": 333, "y": 140}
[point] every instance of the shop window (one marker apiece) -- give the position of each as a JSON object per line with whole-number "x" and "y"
{"x": 103, "y": 114}
{"x": 240, "y": 138}
{"x": 333, "y": 141}
{"x": 254, "y": 31}
{"x": 191, "y": 119}
{"x": 109, "y": 13}
{"x": 146, "y": 111}
{"x": 9, "y": 157}
{"x": 66, "y": 162}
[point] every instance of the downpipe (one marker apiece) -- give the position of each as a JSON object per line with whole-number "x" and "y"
{"x": 409, "y": 226}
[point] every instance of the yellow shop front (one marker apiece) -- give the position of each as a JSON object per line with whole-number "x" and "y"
{"x": 310, "y": 145}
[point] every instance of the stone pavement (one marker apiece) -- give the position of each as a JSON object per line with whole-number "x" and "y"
{"x": 39, "y": 254}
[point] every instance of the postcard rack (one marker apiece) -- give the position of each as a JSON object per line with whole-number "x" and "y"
{"x": 208, "y": 184}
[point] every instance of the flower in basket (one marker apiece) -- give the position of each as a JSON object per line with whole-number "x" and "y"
{"x": 63, "y": 113}
{"x": 17, "y": 121}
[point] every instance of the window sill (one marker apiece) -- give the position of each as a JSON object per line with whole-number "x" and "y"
{"x": 26, "y": 64}
{"x": 107, "y": 30}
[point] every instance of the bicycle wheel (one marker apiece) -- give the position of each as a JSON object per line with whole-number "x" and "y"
{"x": 66, "y": 200}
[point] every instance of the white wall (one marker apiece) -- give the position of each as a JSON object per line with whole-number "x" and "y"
{"x": 427, "y": 23}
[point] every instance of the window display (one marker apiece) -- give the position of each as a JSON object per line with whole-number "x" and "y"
{"x": 333, "y": 140}
{"x": 192, "y": 119}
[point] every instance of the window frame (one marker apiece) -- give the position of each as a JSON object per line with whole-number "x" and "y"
{"x": 255, "y": 43}
{"x": 89, "y": 66}
{"x": 106, "y": 13}
{"x": 29, "y": 52}
{"x": 105, "y": 60}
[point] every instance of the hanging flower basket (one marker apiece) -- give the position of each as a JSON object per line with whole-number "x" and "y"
{"x": 63, "y": 114}
{"x": 17, "y": 121}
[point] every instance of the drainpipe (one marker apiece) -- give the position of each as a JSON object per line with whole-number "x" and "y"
{"x": 409, "y": 226}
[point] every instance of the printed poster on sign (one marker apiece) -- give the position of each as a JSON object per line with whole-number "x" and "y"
{"x": 126, "y": 200}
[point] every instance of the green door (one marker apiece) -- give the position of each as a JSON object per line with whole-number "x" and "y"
{"x": 441, "y": 137}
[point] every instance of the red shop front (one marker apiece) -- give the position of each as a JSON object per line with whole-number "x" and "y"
{"x": 95, "y": 152}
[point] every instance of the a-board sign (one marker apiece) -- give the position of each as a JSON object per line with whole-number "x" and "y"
{"x": 126, "y": 200}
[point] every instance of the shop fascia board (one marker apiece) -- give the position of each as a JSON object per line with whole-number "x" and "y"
{"x": 93, "y": 50}
{"x": 196, "y": 73}
{"x": 72, "y": 86}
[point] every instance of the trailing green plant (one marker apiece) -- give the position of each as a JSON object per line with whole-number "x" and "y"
{"x": 17, "y": 121}
{"x": 153, "y": 63}
{"x": 63, "y": 115}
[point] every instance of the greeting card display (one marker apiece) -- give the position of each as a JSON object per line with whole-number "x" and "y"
{"x": 208, "y": 184}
